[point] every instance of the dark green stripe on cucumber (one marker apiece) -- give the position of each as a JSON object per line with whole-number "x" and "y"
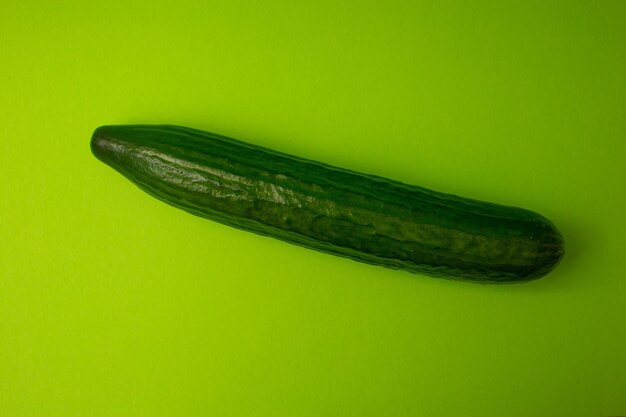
{"x": 363, "y": 217}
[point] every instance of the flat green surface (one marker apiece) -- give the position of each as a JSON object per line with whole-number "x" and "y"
{"x": 114, "y": 304}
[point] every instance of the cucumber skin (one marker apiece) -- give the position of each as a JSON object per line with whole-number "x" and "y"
{"x": 363, "y": 217}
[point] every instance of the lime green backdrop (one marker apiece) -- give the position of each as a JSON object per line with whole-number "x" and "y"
{"x": 114, "y": 304}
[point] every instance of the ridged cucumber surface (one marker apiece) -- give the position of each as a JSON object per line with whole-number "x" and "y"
{"x": 338, "y": 211}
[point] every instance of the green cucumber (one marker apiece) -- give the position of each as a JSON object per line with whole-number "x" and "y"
{"x": 363, "y": 217}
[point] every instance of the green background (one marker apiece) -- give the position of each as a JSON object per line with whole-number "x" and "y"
{"x": 114, "y": 304}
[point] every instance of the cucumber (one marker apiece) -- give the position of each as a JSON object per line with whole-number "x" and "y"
{"x": 333, "y": 210}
